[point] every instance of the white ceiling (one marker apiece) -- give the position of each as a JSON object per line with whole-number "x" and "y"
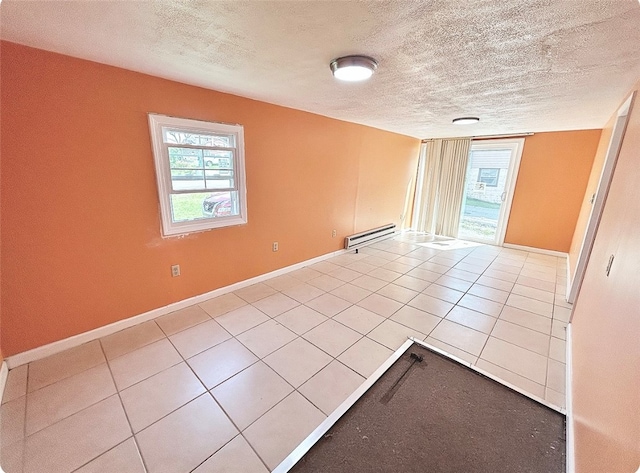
{"x": 520, "y": 65}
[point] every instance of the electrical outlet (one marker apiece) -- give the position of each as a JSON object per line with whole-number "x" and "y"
{"x": 175, "y": 270}
{"x": 275, "y": 246}
{"x": 334, "y": 233}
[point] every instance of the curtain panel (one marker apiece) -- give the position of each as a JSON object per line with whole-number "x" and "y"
{"x": 442, "y": 174}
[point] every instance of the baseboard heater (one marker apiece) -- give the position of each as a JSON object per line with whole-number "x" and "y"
{"x": 369, "y": 236}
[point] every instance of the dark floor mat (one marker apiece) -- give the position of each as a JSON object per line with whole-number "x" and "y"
{"x": 440, "y": 417}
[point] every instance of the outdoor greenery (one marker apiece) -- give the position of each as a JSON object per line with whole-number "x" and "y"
{"x": 477, "y": 228}
{"x": 187, "y": 206}
{"x": 474, "y": 224}
{"x": 481, "y": 203}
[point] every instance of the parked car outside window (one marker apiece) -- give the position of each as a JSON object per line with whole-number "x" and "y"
{"x": 217, "y": 204}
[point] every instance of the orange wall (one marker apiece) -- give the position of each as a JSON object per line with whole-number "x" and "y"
{"x": 606, "y": 327}
{"x": 551, "y": 182}
{"x": 380, "y": 173}
{"x": 81, "y": 244}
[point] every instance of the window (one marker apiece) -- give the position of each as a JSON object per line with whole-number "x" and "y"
{"x": 200, "y": 173}
{"x": 489, "y": 176}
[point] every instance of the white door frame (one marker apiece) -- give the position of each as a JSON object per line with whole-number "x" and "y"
{"x": 600, "y": 197}
{"x": 516, "y": 145}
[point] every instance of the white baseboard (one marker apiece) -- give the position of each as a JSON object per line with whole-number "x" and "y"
{"x": 76, "y": 340}
{"x": 571, "y": 466}
{"x": 531, "y": 249}
{"x": 4, "y": 372}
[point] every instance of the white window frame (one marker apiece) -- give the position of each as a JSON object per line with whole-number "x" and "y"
{"x": 163, "y": 173}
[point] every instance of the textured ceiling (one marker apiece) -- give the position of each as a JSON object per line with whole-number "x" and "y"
{"x": 520, "y": 65}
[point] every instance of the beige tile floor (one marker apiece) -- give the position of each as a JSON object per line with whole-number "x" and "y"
{"x": 235, "y": 383}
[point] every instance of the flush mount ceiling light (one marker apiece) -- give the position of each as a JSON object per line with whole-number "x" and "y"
{"x": 353, "y": 68}
{"x": 465, "y": 120}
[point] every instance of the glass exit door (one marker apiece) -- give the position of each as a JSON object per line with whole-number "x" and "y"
{"x": 489, "y": 183}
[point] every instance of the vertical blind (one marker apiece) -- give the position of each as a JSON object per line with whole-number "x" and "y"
{"x": 442, "y": 176}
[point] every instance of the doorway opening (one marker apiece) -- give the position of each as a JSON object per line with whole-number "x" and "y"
{"x": 599, "y": 198}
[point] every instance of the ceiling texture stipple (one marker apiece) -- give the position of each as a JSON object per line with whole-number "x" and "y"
{"x": 519, "y": 65}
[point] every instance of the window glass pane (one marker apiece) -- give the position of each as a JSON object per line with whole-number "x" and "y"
{"x": 221, "y": 204}
{"x": 185, "y": 158}
{"x": 198, "y": 139}
{"x": 490, "y": 158}
{"x": 218, "y": 159}
{"x": 193, "y": 169}
{"x": 220, "y": 179}
{"x": 187, "y": 179}
{"x": 204, "y": 205}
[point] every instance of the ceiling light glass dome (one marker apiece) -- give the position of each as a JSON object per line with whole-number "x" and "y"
{"x": 353, "y": 68}
{"x": 465, "y": 120}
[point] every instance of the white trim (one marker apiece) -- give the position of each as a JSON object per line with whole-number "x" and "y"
{"x": 76, "y": 340}
{"x": 512, "y": 177}
{"x": 600, "y": 197}
{"x": 571, "y": 458}
{"x": 306, "y": 445}
{"x": 163, "y": 174}
{"x": 531, "y": 249}
{"x": 4, "y": 372}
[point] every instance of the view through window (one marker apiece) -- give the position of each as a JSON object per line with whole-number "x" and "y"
{"x": 484, "y": 193}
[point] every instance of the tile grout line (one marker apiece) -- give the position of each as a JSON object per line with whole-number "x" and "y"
{"x": 503, "y": 306}
{"x": 545, "y": 385}
{"x": 262, "y": 359}
{"x": 294, "y": 389}
{"x": 241, "y": 431}
{"x": 65, "y": 377}
{"x": 206, "y": 391}
{"x": 144, "y": 463}
{"x": 25, "y": 436}
{"x": 109, "y": 450}
{"x": 422, "y": 292}
{"x": 23, "y": 460}
{"x": 72, "y": 414}
{"x": 465, "y": 293}
{"x": 259, "y": 359}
